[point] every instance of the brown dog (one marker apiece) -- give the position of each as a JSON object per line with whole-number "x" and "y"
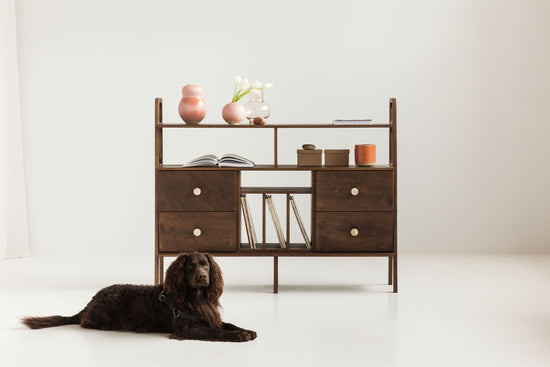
{"x": 186, "y": 305}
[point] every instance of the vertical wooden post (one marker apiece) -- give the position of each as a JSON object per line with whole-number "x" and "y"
{"x": 390, "y": 270}
{"x": 275, "y": 274}
{"x": 288, "y": 221}
{"x": 275, "y": 154}
{"x": 158, "y": 161}
{"x": 393, "y": 162}
{"x": 263, "y": 222}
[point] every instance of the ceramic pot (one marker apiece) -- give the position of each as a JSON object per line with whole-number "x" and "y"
{"x": 192, "y": 108}
{"x": 233, "y": 113}
{"x": 365, "y": 155}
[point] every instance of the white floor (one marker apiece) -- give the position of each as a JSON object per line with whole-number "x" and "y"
{"x": 451, "y": 310}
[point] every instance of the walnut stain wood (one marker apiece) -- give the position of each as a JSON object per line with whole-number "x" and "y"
{"x": 280, "y": 167}
{"x": 393, "y": 162}
{"x": 217, "y": 191}
{"x": 273, "y": 126}
{"x": 333, "y": 231}
{"x": 373, "y": 212}
{"x": 334, "y": 191}
{"x": 217, "y": 231}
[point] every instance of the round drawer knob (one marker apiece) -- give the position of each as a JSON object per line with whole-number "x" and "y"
{"x": 197, "y": 232}
{"x": 354, "y": 232}
{"x": 355, "y": 191}
{"x": 196, "y": 191}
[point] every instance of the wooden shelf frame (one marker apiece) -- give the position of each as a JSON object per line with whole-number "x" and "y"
{"x": 275, "y": 253}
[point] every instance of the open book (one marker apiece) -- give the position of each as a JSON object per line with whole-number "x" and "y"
{"x": 226, "y": 160}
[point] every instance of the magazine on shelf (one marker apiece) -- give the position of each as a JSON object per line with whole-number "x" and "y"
{"x": 226, "y": 160}
{"x": 300, "y": 223}
{"x": 250, "y": 231}
{"x": 351, "y": 121}
{"x": 275, "y": 218}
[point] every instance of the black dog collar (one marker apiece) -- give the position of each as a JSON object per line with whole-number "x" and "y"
{"x": 176, "y": 312}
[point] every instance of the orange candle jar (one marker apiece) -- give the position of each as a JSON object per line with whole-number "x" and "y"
{"x": 365, "y": 155}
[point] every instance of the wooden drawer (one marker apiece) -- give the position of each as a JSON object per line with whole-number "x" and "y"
{"x": 335, "y": 191}
{"x": 197, "y": 191}
{"x": 218, "y": 231}
{"x": 374, "y": 232}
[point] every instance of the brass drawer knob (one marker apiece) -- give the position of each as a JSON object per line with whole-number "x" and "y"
{"x": 197, "y": 232}
{"x": 196, "y": 191}
{"x": 355, "y": 191}
{"x": 354, "y": 232}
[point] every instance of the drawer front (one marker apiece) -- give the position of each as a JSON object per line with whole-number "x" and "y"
{"x": 196, "y": 231}
{"x": 334, "y": 232}
{"x": 354, "y": 191}
{"x": 197, "y": 191}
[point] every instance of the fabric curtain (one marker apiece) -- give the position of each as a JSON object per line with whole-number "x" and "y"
{"x": 14, "y": 239}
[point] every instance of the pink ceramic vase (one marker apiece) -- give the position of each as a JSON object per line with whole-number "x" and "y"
{"x": 233, "y": 113}
{"x": 192, "y": 108}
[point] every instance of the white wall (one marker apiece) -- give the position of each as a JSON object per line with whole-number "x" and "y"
{"x": 471, "y": 79}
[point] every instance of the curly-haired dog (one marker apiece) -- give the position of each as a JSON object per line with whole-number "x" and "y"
{"x": 186, "y": 305}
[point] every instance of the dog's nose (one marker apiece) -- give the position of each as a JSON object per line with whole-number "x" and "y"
{"x": 203, "y": 276}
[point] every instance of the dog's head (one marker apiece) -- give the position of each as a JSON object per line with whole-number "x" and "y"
{"x": 194, "y": 271}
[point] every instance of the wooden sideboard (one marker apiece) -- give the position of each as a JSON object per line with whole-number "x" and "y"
{"x": 353, "y": 209}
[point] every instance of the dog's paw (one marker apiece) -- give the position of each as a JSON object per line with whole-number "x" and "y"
{"x": 176, "y": 337}
{"x": 251, "y": 334}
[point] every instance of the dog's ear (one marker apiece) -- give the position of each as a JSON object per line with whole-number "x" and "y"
{"x": 174, "y": 281}
{"x": 215, "y": 288}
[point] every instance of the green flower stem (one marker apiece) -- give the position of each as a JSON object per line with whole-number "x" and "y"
{"x": 234, "y": 93}
{"x": 239, "y": 96}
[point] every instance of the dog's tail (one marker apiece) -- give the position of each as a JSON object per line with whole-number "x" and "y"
{"x": 50, "y": 321}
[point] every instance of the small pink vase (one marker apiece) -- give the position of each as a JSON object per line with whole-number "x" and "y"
{"x": 192, "y": 108}
{"x": 233, "y": 113}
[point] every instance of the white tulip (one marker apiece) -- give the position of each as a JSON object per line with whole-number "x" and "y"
{"x": 254, "y": 92}
{"x": 257, "y": 85}
{"x": 244, "y": 85}
{"x": 268, "y": 85}
{"x": 237, "y": 79}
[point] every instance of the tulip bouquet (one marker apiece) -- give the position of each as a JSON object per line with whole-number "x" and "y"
{"x": 242, "y": 88}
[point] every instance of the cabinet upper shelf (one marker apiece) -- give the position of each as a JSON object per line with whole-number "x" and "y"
{"x": 273, "y": 126}
{"x": 278, "y": 167}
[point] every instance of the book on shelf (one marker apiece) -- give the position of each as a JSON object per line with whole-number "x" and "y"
{"x": 226, "y": 160}
{"x": 250, "y": 231}
{"x": 276, "y": 221}
{"x": 300, "y": 223}
{"x": 351, "y": 121}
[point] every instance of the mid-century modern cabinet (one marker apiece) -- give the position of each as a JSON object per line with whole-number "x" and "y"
{"x": 353, "y": 209}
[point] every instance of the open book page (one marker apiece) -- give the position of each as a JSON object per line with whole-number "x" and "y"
{"x": 234, "y": 160}
{"x": 208, "y": 160}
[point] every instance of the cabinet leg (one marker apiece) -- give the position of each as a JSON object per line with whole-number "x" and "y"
{"x": 395, "y": 274}
{"x": 156, "y": 270}
{"x": 390, "y": 270}
{"x": 275, "y": 274}
{"x": 159, "y": 269}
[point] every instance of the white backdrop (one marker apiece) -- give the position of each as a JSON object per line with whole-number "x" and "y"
{"x": 471, "y": 79}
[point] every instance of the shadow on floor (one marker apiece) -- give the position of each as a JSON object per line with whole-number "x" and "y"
{"x": 310, "y": 288}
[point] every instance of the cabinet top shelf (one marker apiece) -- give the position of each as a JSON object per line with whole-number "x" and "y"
{"x": 273, "y": 126}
